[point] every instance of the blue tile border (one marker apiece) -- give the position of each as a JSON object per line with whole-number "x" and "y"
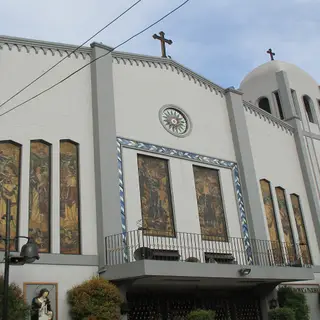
{"x": 152, "y": 148}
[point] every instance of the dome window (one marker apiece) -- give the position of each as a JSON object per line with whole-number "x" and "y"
{"x": 308, "y": 106}
{"x": 264, "y": 104}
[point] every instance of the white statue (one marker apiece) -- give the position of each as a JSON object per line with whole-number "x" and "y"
{"x": 41, "y": 307}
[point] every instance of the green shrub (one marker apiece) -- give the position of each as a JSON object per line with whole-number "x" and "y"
{"x": 201, "y": 315}
{"x": 290, "y": 298}
{"x": 282, "y": 314}
{"x": 96, "y": 299}
{"x": 18, "y": 308}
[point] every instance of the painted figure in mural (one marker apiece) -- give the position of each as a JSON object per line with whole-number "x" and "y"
{"x": 155, "y": 196}
{"x": 269, "y": 211}
{"x": 41, "y": 306}
{"x": 39, "y": 202}
{"x": 9, "y": 185}
{"x": 286, "y": 226}
{"x": 39, "y": 193}
{"x": 69, "y": 202}
{"x": 271, "y": 221}
{"x": 71, "y": 194}
{"x": 304, "y": 246}
{"x": 210, "y": 207}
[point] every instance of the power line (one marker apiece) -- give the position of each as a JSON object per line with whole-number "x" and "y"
{"x": 92, "y": 61}
{"x": 69, "y": 54}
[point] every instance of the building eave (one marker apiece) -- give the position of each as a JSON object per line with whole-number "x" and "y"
{"x": 61, "y": 48}
{"x": 133, "y": 58}
{"x": 44, "y": 46}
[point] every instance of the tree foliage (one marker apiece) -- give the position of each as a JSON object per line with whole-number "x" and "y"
{"x": 282, "y": 314}
{"x": 18, "y": 308}
{"x": 290, "y": 298}
{"x": 96, "y": 299}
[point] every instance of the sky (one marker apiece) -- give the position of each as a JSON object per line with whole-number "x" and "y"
{"x": 221, "y": 40}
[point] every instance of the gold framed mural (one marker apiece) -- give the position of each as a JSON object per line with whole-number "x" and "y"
{"x": 33, "y": 290}
{"x": 286, "y": 225}
{"x": 302, "y": 233}
{"x": 40, "y": 194}
{"x": 69, "y": 198}
{"x": 10, "y": 168}
{"x": 271, "y": 221}
{"x": 155, "y": 196}
{"x": 210, "y": 205}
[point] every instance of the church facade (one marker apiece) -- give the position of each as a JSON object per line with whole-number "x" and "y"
{"x": 183, "y": 193}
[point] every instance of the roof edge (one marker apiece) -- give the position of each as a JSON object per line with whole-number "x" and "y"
{"x": 24, "y": 42}
{"x": 165, "y": 62}
{"x": 270, "y": 117}
{"x": 87, "y": 50}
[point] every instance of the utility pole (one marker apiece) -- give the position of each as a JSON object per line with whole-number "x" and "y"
{"x": 6, "y": 261}
{"x": 29, "y": 254}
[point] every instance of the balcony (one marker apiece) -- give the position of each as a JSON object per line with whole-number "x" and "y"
{"x": 196, "y": 255}
{"x": 190, "y": 247}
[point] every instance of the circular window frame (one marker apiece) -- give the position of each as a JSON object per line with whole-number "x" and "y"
{"x": 184, "y": 114}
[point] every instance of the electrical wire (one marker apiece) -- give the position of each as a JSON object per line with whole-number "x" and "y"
{"x": 92, "y": 61}
{"x": 69, "y": 54}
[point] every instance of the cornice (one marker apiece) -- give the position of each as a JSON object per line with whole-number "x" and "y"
{"x": 101, "y": 45}
{"x": 168, "y": 64}
{"x": 43, "y": 46}
{"x": 233, "y": 90}
{"x": 268, "y": 117}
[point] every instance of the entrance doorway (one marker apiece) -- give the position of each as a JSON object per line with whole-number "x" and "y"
{"x": 152, "y": 305}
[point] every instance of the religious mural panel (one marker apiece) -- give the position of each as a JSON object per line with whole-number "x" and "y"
{"x": 271, "y": 220}
{"x": 210, "y": 206}
{"x": 10, "y": 162}
{"x": 69, "y": 198}
{"x": 39, "y": 194}
{"x": 286, "y": 225}
{"x": 303, "y": 240}
{"x": 155, "y": 196}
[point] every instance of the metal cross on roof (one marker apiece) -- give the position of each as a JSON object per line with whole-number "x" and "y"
{"x": 163, "y": 41}
{"x": 272, "y": 54}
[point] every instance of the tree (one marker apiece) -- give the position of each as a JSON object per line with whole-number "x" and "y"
{"x": 282, "y": 314}
{"x": 18, "y": 308}
{"x": 290, "y": 298}
{"x": 96, "y": 299}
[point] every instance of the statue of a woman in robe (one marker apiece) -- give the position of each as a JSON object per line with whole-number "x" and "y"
{"x": 41, "y": 307}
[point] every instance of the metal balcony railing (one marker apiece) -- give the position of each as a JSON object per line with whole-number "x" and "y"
{"x": 190, "y": 247}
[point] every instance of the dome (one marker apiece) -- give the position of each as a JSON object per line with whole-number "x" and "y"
{"x": 269, "y": 69}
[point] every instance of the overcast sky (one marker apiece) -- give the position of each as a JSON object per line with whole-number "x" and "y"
{"x": 222, "y": 40}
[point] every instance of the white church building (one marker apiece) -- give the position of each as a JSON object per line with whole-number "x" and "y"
{"x": 183, "y": 193}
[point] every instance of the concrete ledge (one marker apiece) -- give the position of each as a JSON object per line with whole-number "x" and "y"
{"x": 64, "y": 259}
{"x": 131, "y": 270}
{"x": 149, "y": 268}
{"x": 316, "y": 269}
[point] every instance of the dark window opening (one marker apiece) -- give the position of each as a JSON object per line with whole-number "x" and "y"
{"x": 276, "y": 94}
{"x": 307, "y": 105}
{"x": 264, "y": 104}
